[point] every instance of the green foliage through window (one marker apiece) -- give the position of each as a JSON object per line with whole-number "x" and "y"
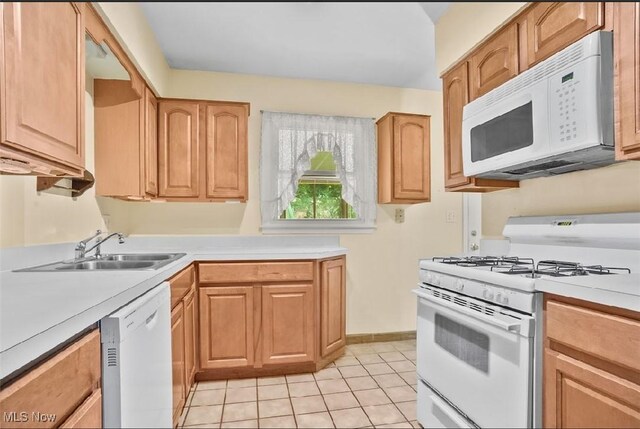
{"x": 319, "y": 194}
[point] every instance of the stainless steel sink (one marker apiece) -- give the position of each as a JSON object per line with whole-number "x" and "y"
{"x": 107, "y": 265}
{"x": 122, "y": 261}
{"x": 138, "y": 257}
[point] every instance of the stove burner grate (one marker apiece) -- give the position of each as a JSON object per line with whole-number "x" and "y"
{"x": 528, "y": 268}
{"x": 565, "y": 268}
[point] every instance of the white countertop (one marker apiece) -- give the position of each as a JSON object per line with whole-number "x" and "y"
{"x": 620, "y": 290}
{"x": 40, "y": 310}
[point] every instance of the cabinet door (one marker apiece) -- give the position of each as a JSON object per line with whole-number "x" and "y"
{"x": 226, "y": 151}
{"x": 150, "y": 143}
{"x": 494, "y": 62}
{"x": 177, "y": 360}
{"x": 42, "y": 79}
{"x": 579, "y": 395}
{"x": 226, "y": 327}
{"x": 627, "y": 57}
{"x": 333, "y": 297}
{"x": 190, "y": 338}
{"x": 455, "y": 96}
{"x": 552, "y": 26}
{"x": 411, "y": 158}
{"x": 287, "y": 323}
{"x": 178, "y": 157}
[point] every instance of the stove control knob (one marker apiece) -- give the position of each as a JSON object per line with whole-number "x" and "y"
{"x": 487, "y": 294}
{"x": 436, "y": 280}
{"x": 505, "y": 300}
{"x": 459, "y": 284}
{"x": 428, "y": 277}
{"x": 498, "y": 297}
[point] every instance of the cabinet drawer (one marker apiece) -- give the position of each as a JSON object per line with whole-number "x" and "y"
{"x": 241, "y": 272}
{"x": 57, "y": 386}
{"x": 606, "y": 336}
{"x": 181, "y": 284}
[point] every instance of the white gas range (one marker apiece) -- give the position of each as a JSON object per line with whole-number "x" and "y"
{"x": 479, "y": 327}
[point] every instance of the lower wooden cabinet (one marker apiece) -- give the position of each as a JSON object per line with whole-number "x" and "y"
{"x": 591, "y": 365}
{"x": 177, "y": 361}
{"x": 226, "y": 326}
{"x": 64, "y": 390}
{"x": 287, "y": 323}
{"x": 270, "y": 317}
{"x": 190, "y": 338}
{"x": 333, "y": 292}
{"x": 183, "y": 336}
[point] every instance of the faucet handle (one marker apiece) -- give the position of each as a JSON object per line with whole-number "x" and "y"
{"x": 120, "y": 238}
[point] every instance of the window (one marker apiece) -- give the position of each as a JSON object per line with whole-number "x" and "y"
{"x": 317, "y": 173}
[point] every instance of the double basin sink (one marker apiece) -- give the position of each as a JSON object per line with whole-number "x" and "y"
{"x": 122, "y": 261}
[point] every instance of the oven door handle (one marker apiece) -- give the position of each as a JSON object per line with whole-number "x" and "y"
{"x": 511, "y": 327}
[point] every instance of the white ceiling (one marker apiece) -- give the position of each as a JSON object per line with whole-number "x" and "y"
{"x": 374, "y": 43}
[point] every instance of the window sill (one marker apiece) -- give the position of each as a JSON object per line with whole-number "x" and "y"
{"x": 292, "y": 226}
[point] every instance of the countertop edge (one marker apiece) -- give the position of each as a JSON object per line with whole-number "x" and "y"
{"x": 590, "y": 294}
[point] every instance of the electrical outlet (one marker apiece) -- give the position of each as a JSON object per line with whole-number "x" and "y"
{"x": 451, "y": 216}
{"x": 399, "y": 215}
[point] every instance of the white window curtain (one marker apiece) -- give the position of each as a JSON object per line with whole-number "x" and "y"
{"x": 291, "y": 140}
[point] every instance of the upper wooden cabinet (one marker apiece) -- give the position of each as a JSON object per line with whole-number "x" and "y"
{"x": 626, "y": 41}
{"x": 150, "y": 146}
{"x": 42, "y": 86}
{"x": 226, "y": 146}
{"x": 404, "y": 164}
{"x": 202, "y": 152}
{"x": 125, "y": 140}
{"x": 494, "y": 62}
{"x": 455, "y": 95}
{"x": 333, "y": 292}
{"x": 591, "y": 369}
{"x": 552, "y": 26}
{"x": 178, "y": 149}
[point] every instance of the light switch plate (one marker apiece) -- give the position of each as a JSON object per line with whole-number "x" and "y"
{"x": 399, "y": 215}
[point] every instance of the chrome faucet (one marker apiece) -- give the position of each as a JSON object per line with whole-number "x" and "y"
{"x": 82, "y": 245}
{"x": 81, "y": 248}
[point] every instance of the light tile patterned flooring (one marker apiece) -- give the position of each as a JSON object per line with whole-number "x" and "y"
{"x": 372, "y": 385}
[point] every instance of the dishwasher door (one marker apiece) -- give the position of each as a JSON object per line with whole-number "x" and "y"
{"x": 136, "y": 362}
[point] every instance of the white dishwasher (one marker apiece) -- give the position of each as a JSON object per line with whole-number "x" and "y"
{"x": 136, "y": 362}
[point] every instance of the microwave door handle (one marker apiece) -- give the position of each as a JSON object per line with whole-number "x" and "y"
{"x": 511, "y": 327}
{"x": 447, "y": 411}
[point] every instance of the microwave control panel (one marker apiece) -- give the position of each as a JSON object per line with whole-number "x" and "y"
{"x": 566, "y": 106}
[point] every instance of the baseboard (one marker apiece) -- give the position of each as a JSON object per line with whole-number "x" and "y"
{"x": 385, "y": 336}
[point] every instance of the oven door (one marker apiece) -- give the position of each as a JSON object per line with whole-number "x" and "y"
{"x": 476, "y": 355}
{"x": 508, "y": 132}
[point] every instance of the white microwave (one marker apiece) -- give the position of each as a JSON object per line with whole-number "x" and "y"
{"x": 554, "y": 118}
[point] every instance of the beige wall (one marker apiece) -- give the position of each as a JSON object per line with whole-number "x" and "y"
{"x": 27, "y": 218}
{"x": 132, "y": 30}
{"x": 382, "y": 267}
{"x": 611, "y": 189}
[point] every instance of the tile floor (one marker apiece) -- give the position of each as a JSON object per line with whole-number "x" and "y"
{"x": 372, "y": 385}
